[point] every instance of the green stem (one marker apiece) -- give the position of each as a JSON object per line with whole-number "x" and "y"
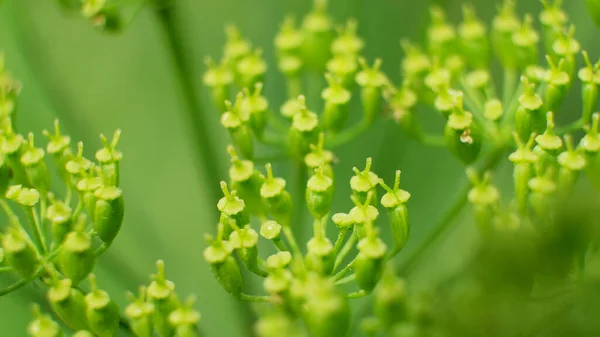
{"x": 254, "y": 298}
{"x": 432, "y": 140}
{"x": 442, "y": 226}
{"x": 345, "y": 251}
{"x": 344, "y": 271}
{"x": 508, "y": 87}
{"x": 300, "y": 179}
{"x": 280, "y": 245}
{"x": 342, "y": 235}
{"x": 12, "y": 218}
{"x": 358, "y": 294}
{"x": 39, "y": 234}
{"x": 346, "y": 279}
{"x": 13, "y": 287}
{"x": 5, "y": 269}
{"x": 348, "y": 134}
{"x": 199, "y": 126}
{"x": 572, "y": 127}
{"x": 289, "y": 235}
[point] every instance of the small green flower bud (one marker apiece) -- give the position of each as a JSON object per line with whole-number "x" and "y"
{"x": 58, "y": 148}
{"x": 415, "y": 62}
{"x": 270, "y": 230}
{"x": 278, "y": 281}
{"x": 371, "y": 80}
{"x": 438, "y": 77}
{"x": 473, "y": 38}
{"x": 558, "y": 83}
{"x": 504, "y": 25}
{"x": 320, "y": 157}
{"x": 224, "y": 267}
{"x": 20, "y": 253}
{"x": 484, "y": 197}
{"x": 108, "y": 213}
{"x": 68, "y": 304}
{"x": 185, "y": 319}
{"x": 161, "y": 293}
{"x": 336, "y": 99}
{"x": 61, "y": 223}
{"x": 590, "y": 78}
{"x": 234, "y": 207}
{"x": 244, "y": 241}
{"x": 218, "y": 77}
{"x": 319, "y": 194}
{"x": 541, "y": 196}
{"x": 304, "y": 130}
{"x": 277, "y": 198}
{"x": 566, "y": 46}
{"x": 102, "y": 313}
{"x": 478, "y": 80}
{"x": 236, "y": 46}
{"x": 343, "y": 221}
{"x": 395, "y": 202}
{"x": 525, "y": 39}
{"x": 289, "y": 39}
{"x": 441, "y": 35}
{"x": 35, "y": 166}
{"x": 236, "y": 122}
{"x": 87, "y": 186}
{"x": 348, "y": 43}
{"x": 247, "y": 182}
{"x": 318, "y": 36}
{"x": 369, "y": 263}
{"x": 401, "y": 103}
{"x": 536, "y": 74}
{"x": 255, "y": 105}
{"x": 43, "y": 325}
{"x": 343, "y": 67}
{"x": 76, "y": 258}
{"x": 279, "y": 260}
{"x": 572, "y": 161}
{"x": 139, "y": 312}
{"x": 326, "y": 310}
{"x": 361, "y": 215}
{"x": 593, "y": 7}
{"x": 462, "y": 136}
{"x": 109, "y": 158}
{"x": 493, "y": 109}
{"x": 78, "y": 164}
{"x": 390, "y": 300}
{"x": 320, "y": 256}
{"x": 364, "y": 182}
{"x": 548, "y": 141}
{"x": 552, "y": 17}
{"x": 277, "y": 324}
{"x": 447, "y": 100}
{"x": 529, "y": 116}
{"x": 523, "y": 159}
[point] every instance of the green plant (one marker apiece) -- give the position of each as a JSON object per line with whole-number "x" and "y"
{"x": 538, "y": 244}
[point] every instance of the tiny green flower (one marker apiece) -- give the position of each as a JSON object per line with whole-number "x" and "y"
{"x": 371, "y": 80}
{"x": 68, "y": 304}
{"x": 504, "y": 25}
{"x": 76, "y": 258}
{"x": 236, "y": 46}
{"x": 395, "y": 202}
{"x": 161, "y": 293}
{"x": 548, "y": 141}
{"x": 251, "y": 69}
{"x": 440, "y": 34}
{"x": 102, "y": 312}
{"x": 139, "y": 311}
{"x": 348, "y": 43}
{"x": 364, "y": 181}
{"x": 185, "y": 319}
{"x": 590, "y": 76}
{"x": 493, "y": 109}
{"x": 43, "y": 325}
{"x": 277, "y": 198}
{"x": 525, "y": 40}
{"x": 336, "y": 98}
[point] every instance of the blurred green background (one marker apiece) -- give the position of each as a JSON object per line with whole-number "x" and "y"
{"x": 96, "y": 83}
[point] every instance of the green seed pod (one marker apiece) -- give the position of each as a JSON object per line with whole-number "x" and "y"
{"x": 326, "y": 310}
{"x": 61, "y": 223}
{"x": 237, "y": 124}
{"x": 218, "y": 77}
{"x": 369, "y": 262}
{"x": 185, "y": 319}
{"x": 566, "y": 46}
{"x": 224, "y": 267}
{"x": 529, "y": 117}
{"x": 361, "y": 215}
{"x": 401, "y": 103}
{"x": 484, "y": 197}
{"x": 548, "y": 141}
{"x": 541, "y": 198}
{"x": 247, "y": 182}
{"x": 590, "y": 78}
{"x": 109, "y": 158}
{"x": 348, "y": 43}
{"x": 320, "y": 256}
{"x": 58, "y": 148}
{"x": 288, "y": 40}
{"x": 493, "y": 109}
{"x": 390, "y": 304}
{"x": 364, "y": 182}
{"x": 255, "y": 106}
{"x": 161, "y": 293}
{"x": 590, "y": 143}
{"x": 525, "y": 40}
{"x": 43, "y": 325}
{"x": 336, "y": 99}
{"x": 139, "y": 312}
{"x": 278, "y": 282}
{"x": 251, "y": 69}
{"x": 552, "y": 17}
{"x": 447, "y": 100}
{"x": 76, "y": 258}
{"x": 277, "y": 198}
{"x": 102, "y": 313}
{"x": 593, "y": 7}
{"x": 319, "y": 194}
{"x": 86, "y": 187}
{"x": 68, "y": 304}
{"x": 473, "y": 39}
{"x": 244, "y": 241}
{"x": 108, "y": 213}
{"x": 558, "y": 84}
{"x": 523, "y": 159}
{"x": 20, "y": 253}
{"x": 462, "y": 136}
{"x": 232, "y": 208}
{"x": 441, "y": 36}
{"x": 78, "y": 166}
{"x": 504, "y": 26}
{"x": 318, "y": 36}
{"x": 5, "y": 175}
{"x": 415, "y": 62}
{"x": 438, "y": 78}
{"x": 343, "y": 67}
{"x": 35, "y": 167}
{"x": 271, "y": 230}
{"x": 371, "y": 81}
{"x": 12, "y": 145}
{"x": 395, "y": 202}
{"x": 304, "y": 130}
{"x": 236, "y": 46}
{"x": 571, "y": 162}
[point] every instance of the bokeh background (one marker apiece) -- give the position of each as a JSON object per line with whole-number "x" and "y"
{"x": 95, "y": 83}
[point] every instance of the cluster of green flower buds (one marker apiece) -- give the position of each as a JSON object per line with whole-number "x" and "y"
{"x": 106, "y": 15}
{"x": 157, "y": 310}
